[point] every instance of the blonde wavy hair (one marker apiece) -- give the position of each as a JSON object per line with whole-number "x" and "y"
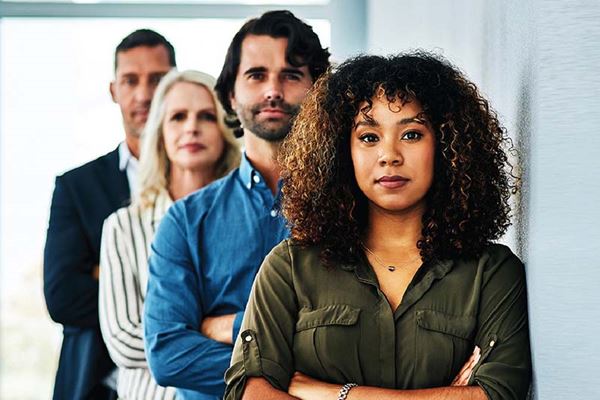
{"x": 154, "y": 165}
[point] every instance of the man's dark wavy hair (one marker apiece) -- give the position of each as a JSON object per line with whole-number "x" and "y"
{"x": 468, "y": 202}
{"x": 145, "y": 37}
{"x": 304, "y": 48}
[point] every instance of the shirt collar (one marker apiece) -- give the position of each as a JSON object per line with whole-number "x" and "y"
{"x": 249, "y": 175}
{"x": 125, "y": 157}
{"x": 434, "y": 270}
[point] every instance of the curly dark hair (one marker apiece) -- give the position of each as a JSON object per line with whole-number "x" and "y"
{"x": 304, "y": 48}
{"x": 468, "y": 202}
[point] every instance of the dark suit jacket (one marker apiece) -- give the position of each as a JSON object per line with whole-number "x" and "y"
{"x": 82, "y": 199}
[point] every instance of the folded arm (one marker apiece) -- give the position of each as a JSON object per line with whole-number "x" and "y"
{"x": 504, "y": 371}
{"x": 178, "y": 353}
{"x": 307, "y": 388}
{"x": 120, "y": 300}
{"x": 70, "y": 289}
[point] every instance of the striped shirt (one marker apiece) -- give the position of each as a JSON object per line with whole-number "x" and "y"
{"x": 126, "y": 239}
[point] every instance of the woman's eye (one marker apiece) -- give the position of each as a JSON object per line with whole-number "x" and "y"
{"x": 412, "y": 135}
{"x": 178, "y": 116}
{"x": 368, "y": 138}
{"x": 207, "y": 116}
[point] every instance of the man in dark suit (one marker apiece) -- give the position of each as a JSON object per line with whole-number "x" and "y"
{"x": 82, "y": 199}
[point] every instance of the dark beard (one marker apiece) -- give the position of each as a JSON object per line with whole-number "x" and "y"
{"x": 271, "y": 130}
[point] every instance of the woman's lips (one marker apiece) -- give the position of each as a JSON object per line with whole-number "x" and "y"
{"x": 193, "y": 147}
{"x": 392, "y": 182}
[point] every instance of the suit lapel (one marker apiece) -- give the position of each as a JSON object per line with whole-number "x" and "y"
{"x": 114, "y": 181}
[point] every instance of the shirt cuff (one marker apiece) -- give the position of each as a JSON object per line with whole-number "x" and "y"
{"x": 237, "y": 325}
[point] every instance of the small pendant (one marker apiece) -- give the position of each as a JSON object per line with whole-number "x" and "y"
{"x": 391, "y": 268}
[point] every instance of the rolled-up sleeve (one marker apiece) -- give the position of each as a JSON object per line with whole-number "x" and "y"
{"x": 504, "y": 370}
{"x": 264, "y": 346}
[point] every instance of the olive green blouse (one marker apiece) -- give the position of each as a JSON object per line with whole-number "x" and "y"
{"x": 335, "y": 324}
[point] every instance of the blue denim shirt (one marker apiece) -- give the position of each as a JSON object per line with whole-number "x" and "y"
{"x": 205, "y": 255}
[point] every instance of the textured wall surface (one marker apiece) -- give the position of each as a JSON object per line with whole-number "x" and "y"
{"x": 564, "y": 208}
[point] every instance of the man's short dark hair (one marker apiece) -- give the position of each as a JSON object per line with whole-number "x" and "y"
{"x": 304, "y": 48}
{"x": 145, "y": 37}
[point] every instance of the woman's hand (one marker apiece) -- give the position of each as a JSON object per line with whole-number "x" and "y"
{"x": 307, "y": 388}
{"x": 462, "y": 379}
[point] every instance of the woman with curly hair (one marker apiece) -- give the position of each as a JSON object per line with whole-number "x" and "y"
{"x": 395, "y": 186}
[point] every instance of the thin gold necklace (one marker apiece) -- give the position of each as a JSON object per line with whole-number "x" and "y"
{"x": 390, "y": 267}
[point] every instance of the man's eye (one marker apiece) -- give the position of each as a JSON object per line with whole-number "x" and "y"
{"x": 155, "y": 80}
{"x": 130, "y": 81}
{"x": 368, "y": 138}
{"x": 412, "y": 135}
{"x": 292, "y": 77}
{"x": 256, "y": 76}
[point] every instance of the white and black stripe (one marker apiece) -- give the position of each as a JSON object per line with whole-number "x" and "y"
{"x": 126, "y": 239}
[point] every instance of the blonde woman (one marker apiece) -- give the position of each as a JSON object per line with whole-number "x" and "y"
{"x": 185, "y": 146}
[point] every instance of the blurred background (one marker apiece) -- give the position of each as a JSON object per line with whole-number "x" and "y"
{"x": 537, "y": 61}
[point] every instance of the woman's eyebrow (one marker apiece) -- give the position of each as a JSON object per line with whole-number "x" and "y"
{"x": 410, "y": 120}
{"x": 370, "y": 122}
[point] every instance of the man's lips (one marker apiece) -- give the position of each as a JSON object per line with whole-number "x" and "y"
{"x": 392, "y": 181}
{"x": 273, "y": 112}
{"x": 141, "y": 113}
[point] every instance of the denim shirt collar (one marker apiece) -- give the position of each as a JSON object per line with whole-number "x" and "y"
{"x": 248, "y": 174}
{"x": 251, "y": 177}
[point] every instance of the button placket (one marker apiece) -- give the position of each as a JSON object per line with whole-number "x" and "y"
{"x": 387, "y": 337}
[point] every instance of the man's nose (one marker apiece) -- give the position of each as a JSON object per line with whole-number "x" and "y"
{"x": 274, "y": 89}
{"x": 144, "y": 93}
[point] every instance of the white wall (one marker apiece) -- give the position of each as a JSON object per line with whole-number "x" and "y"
{"x": 564, "y": 219}
{"x": 451, "y": 27}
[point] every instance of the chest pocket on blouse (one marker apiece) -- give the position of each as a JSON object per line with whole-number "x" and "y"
{"x": 325, "y": 339}
{"x": 443, "y": 344}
